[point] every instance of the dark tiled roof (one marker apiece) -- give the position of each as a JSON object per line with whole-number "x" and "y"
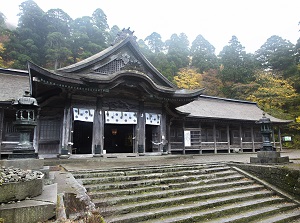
{"x": 229, "y": 109}
{"x": 13, "y": 84}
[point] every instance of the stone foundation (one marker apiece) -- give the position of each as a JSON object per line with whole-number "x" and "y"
{"x": 269, "y": 157}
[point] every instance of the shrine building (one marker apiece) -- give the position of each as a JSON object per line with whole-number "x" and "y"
{"x": 116, "y": 101}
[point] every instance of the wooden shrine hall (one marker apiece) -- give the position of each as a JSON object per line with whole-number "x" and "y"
{"x": 116, "y": 101}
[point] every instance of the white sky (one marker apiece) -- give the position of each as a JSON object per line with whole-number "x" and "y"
{"x": 252, "y": 21}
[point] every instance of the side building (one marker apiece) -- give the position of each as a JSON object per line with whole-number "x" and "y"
{"x": 116, "y": 101}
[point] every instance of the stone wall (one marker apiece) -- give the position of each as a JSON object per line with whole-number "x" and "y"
{"x": 282, "y": 177}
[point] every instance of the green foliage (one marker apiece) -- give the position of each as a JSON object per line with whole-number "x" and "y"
{"x": 203, "y": 55}
{"x": 188, "y": 79}
{"x": 154, "y": 42}
{"x": 278, "y": 55}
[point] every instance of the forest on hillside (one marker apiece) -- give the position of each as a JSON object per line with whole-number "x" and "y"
{"x": 270, "y": 76}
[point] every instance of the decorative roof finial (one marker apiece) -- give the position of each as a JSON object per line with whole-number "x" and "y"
{"x": 123, "y": 35}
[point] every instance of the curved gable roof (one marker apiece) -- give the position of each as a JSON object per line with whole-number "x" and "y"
{"x": 90, "y": 64}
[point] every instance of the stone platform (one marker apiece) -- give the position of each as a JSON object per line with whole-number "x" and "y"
{"x": 269, "y": 157}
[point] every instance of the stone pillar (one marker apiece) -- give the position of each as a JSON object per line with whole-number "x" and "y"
{"x": 98, "y": 129}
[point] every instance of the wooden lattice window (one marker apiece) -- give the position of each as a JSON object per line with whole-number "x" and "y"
{"x": 49, "y": 129}
{"x": 112, "y": 67}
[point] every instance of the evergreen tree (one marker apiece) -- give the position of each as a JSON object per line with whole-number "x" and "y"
{"x": 203, "y": 55}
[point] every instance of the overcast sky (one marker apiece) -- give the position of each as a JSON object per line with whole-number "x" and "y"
{"x": 252, "y": 21}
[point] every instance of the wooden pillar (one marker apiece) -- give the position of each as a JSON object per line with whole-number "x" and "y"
{"x": 241, "y": 138}
{"x": 163, "y": 130}
{"x": 200, "y": 144}
{"x": 228, "y": 137}
{"x": 215, "y": 137}
{"x": 1, "y": 127}
{"x": 67, "y": 124}
{"x": 141, "y": 130}
{"x": 36, "y": 135}
{"x": 183, "y": 141}
{"x": 279, "y": 137}
{"x": 252, "y": 139}
{"x": 273, "y": 137}
{"x": 98, "y": 128}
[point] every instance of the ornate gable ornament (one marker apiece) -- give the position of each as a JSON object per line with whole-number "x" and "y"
{"x": 123, "y": 35}
{"x": 122, "y": 61}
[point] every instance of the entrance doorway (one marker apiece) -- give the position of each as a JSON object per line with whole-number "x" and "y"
{"x": 82, "y": 137}
{"x": 152, "y": 138}
{"x": 118, "y": 138}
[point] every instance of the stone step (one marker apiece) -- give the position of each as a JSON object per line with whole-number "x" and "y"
{"x": 156, "y": 181}
{"x": 170, "y": 208}
{"x": 197, "y": 212}
{"x": 36, "y": 209}
{"x": 292, "y": 215}
{"x": 201, "y": 187}
{"x": 114, "y": 179}
{"x": 143, "y": 170}
{"x": 164, "y": 199}
{"x": 255, "y": 214}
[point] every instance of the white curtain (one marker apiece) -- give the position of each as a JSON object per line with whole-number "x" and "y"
{"x": 84, "y": 115}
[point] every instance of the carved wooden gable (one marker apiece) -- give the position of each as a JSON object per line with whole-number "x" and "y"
{"x": 121, "y": 61}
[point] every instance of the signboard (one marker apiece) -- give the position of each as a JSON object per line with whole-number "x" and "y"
{"x": 287, "y": 138}
{"x": 187, "y": 138}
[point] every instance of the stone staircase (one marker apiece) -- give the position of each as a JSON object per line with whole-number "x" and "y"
{"x": 212, "y": 192}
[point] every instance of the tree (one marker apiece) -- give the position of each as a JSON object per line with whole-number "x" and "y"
{"x": 178, "y": 51}
{"x": 278, "y": 55}
{"x": 272, "y": 93}
{"x": 212, "y": 83}
{"x": 237, "y": 67}
{"x": 113, "y": 32}
{"x": 57, "y": 50}
{"x": 59, "y": 21}
{"x": 203, "y": 55}
{"x": 154, "y": 42}
{"x": 188, "y": 79}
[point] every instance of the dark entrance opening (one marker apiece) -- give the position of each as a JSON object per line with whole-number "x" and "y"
{"x": 82, "y": 137}
{"x": 152, "y": 139}
{"x": 118, "y": 138}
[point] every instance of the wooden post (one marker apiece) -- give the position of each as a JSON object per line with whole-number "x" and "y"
{"x": 163, "y": 130}
{"x": 279, "y": 137}
{"x": 1, "y": 128}
{"x": 98, "y": 128}
{"x": 273, "y": 137}
{"x": 141, "y": 128}
{"x": 228, "y": 137}
{"x": 200, "y": 138}
{"x": 241, "y": 138}
{"x": 183, "y": 141}
{"x": 67, "y": 124}
{"x": 252, "y": 139}
{"x": 215, "y": 138}
{"x": 36, "y": 136}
